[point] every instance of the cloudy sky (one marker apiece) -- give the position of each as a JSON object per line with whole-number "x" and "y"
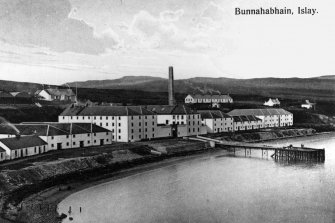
{"x": 58, "y": 41}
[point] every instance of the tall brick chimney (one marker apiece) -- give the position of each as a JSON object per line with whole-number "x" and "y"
{"x": 171, "y": 87}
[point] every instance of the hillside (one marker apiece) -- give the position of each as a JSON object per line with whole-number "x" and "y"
{"x": 298, "y": 88}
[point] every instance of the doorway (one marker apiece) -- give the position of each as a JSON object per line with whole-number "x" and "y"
{"x": 81, "y": 143}
{"x": 59, "y": 146}
{"x": 101, "y": 142}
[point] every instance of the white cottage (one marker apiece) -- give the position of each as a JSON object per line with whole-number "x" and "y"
{"x": 51, "y": 94}
{"x": 22, "y": 146}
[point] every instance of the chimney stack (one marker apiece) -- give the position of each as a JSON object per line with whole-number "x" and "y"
{"x": 171, "y": 87}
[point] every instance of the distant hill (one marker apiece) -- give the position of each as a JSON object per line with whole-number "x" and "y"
{"x": 317, "y": 88}
{"x": 331, "y": 77}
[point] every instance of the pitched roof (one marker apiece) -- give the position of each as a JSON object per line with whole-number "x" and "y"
{"x": 105, "y": 111}
{"x": 20, "y": 94}
{"x": 259, "y": 112}
{"x": 53, "y": 129}
{"x": 213, "y": 114}
{"x": 22, "y": 142}
{"x": 4, "y": 94}
{"x": 246, "y": 118}
{"x": 171, "y": 109}
{"x": 208, "y": 96}
{"x": 59, "y": 92}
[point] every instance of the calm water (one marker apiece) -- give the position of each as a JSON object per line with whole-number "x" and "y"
{"x": 217, "y": 188}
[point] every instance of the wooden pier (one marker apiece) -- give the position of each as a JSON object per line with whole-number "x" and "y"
{"x": 288, "y": 153}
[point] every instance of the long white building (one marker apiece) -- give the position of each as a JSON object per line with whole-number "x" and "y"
{"x": 272, "y": 117}
{"x": 203, "y": 99}
{"x": 216, "y": 121}
{"x": 61, "y": 135}
{"x": 127, "y": 123}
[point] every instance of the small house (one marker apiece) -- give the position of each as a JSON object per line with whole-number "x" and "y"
{"x": 52, "y": 94}
{"x": 22, "y": 146}
{"x": 272, "y": 102}
{"x": 307, "y": 104}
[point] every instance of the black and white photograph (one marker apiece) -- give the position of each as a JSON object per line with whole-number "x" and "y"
{"x": 167, "y": 111}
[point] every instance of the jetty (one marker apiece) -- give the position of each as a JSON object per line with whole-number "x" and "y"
{"x": 289, "y": 153}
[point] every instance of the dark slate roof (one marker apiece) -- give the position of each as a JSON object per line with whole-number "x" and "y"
{"x": 259, "y": 112}
{"x": 105, "y": 111}
{"x": 208, "y": 96}
{"x": 213, "y": 114}
{"x": 53, "y": 129}
{"x": 59, "y": 92}
{"x": 245, "y": 118}
{"x": 171, "y": 109}
{"x": 23, "y": 142}
{"x": 2, "y": 150}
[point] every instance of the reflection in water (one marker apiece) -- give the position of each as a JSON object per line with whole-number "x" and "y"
{"x": 218, "y": 188}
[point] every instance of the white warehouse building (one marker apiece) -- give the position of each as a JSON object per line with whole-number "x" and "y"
{"x": 272, "y": 117}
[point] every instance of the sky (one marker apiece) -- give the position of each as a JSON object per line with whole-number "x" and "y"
{"x": 59, "y": 41}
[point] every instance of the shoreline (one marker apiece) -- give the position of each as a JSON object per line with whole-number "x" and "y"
{"x": 51, "y": 197}
{"x": 42, "y": 206}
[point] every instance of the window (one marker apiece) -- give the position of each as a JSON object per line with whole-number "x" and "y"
{"x": 119, "y": 124}
{"x": 119, "y": 118}
{"x": 74, "y": 143}
{"x": 67, "y": 144}
{"x": 139, "y": 130}
{"x": 153, "y": 135}
{"x": 95, "y": 134}
{"x": 119, "y": 130}
{"x": 95, "y": 141}
{"x": 106, "y": 117}
{"x": 77, "y": 117}
{"x": 83, "y": 117}
{"x": 153, "y": 123}
{"x": 139, "y": 124}
{"x": 153, "y": 129}
{"x": 139, "y": 136}
{"x": 63, "y": 118}
{"x": 88, "y": 142}
{"x": 101, "y": 118}
{"x": 88, "y": 134}
{"x": 107, "y": 140}
{"x": 145, "y": 117}
{"x": 153, "y": 117}
{"x": 52, "y": 137}
{"x": 173, "y": 116}
{"x": 119, "y": 137}
{"x": 35, "y": 149}
{"x": 52, "y": 145}
{"x": 107, "y": 133}
{"x": 145, "y": 123}
{"x": 106, "y": 123}
{"x": 146, "y": 130}
{"x": 113, "y": 124}
{"x": 132, "y": 131}
{"x": 100, "y": 124}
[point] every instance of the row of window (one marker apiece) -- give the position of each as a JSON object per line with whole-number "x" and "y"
{"x": 74, "y": 136}
{"x": 106, "y": 117}
{"x": 74, "y": 143}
